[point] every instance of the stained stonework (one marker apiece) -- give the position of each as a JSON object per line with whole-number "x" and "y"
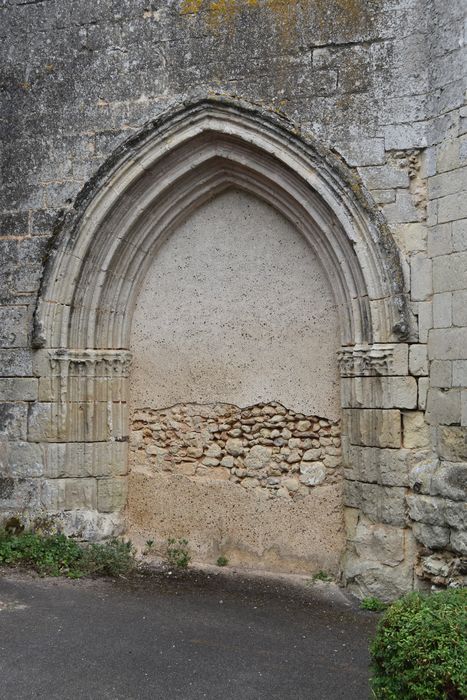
{"x": 348, "y": 119}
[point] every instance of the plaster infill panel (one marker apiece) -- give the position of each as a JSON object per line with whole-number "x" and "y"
{"x": 222, "y": 519}
{"x": 260, "y": 485}
{"x": 236, "y": 311}
{"x": 236, "y": 308}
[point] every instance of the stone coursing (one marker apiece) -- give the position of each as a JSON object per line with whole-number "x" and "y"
{"x": 382, "y": 84}
{"x": 260, "y": 447}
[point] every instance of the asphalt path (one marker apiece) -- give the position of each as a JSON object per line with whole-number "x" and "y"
{"x": 180, "y": 636}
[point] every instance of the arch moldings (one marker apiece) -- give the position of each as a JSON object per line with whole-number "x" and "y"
{"x": 156, "y": 178}
{"x": 106, "y": 242}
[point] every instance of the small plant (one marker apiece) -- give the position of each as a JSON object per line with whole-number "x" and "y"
{"x": 112, "y": 558}
{"x": 58, "y": 555}
{"x": 222, "y": 561}
{"x": 44, "y": 525}
{"x": 53, "y": 555}
{"x": 149, "y": 547}
{"x": 14, "y": 525}
{"x": 321, "y": 576}
{"x": 373, "y": 604}
{"x": 177, "y": 553}
{"x": 420, "y": 648}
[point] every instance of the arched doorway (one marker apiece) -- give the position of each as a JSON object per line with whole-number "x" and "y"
{"x": 107, "y": 244}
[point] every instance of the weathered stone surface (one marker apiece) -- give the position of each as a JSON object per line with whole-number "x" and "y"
{"x": 15, "y": 324}
{"x": 443, "y": 407}
{"x": 436, "y": 566}
{"x": 416, "y": 432}
{"x": 378, "y": 542}
{"x": 441, "y": 374}
{"x": 85, "y": 459}
{"x": 91, "y": 525}
{"x": 373, "y": 428}
{"x": 18, "y": 389}
{"x": 16, "y": 362}
{"x": 431, "y": 536}
{"x": 418, "y": 362}
{"x": 258, "y": 457}
{"x": 68, "y": 494}
{"x": 427, "y": 509}
{"x": 456, "y": 514}
{"x": 405, "y": 145}
{"x": 459, "y": 541}
{"x": 450, "y": 480}
{"x": 372, "y": 464}
{"x": 312, "y": 474}
{"x": 379, "y": 392}
{"x": 78, "y": 422}
{"x": 421, "y": 473}
{"x": 421, "y": 276}
{"x": 447, "y": 344}
{"x": 372, "y": 566}
{"x": 25, "y": 459}
{"x": 234, "y": 447}
{"x": 111, "y": 495}
{"x": 385, "y": 504}
{"x": 13, "y": 421}
{"x": 19, "y": 496}
{"x": 423, "y": 385}
{"x": 452, "y": 443}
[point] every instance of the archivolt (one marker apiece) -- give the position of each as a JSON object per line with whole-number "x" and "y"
{"x": 158, "y": 177}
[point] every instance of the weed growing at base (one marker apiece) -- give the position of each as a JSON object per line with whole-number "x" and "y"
{"x": 373, "y": 604}
{"x": 222, "y": 561}
{"x": 322, "y": 576}
{"x": 177, "y": 553}
{"x": 59, "y": 555}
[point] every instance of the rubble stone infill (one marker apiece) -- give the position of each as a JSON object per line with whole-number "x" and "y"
{"x": 266, "y": 446}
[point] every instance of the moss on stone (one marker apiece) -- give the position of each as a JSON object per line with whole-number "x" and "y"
{"x": 286, "y": 11}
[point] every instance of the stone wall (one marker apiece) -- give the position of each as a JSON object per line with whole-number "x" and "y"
{"x": 381, "y": 85}
{"x": 437, "y": 503}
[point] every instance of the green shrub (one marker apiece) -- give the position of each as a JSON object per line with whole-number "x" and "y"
{"x": 58, "y": 555}
{"x": 420, "y": 648}
{"x": 373, "y": 604}
{"x": 112, "y": 558}
{"x": 177, "y": 553}
{"x": 222, "y": 561}
{"x": 52, "y": 555}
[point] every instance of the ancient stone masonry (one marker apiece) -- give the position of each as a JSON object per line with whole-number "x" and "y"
{"x": 259, "y": 447}
{"x": 124, "y": 123}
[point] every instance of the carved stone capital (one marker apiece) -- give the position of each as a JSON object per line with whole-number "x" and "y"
{"x": 380, "y": 359}
{"x": 90, "y": 363}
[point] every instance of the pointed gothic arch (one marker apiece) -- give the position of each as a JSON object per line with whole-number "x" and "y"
{"x": 156, "y": 178}
{"x": 106, "y": 242}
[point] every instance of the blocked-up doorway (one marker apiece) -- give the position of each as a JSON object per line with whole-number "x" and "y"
{"x": 234, "y": 416}
{"x": 220, "y": 245}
